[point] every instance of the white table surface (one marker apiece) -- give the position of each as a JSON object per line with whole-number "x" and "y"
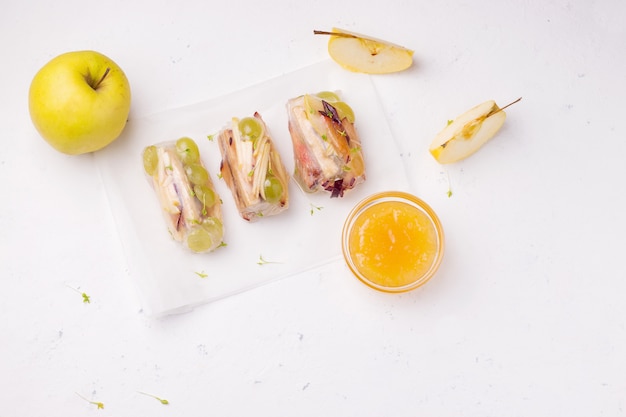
{"x": 526, "y": 316}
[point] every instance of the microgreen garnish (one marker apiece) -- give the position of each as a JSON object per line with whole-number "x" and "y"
{"x": 219, "y": 175}
{"x": 314, "y": 207}
{"x": 86, "y": 298}
{"x": 355, "y": 149}
{"x": 262, "y": 261}
{"x": 201, "y": 274}
{"x": 210, "y": 137}
{"x": 449, "y": 122}
{"x": 222, "y": 244}
{"x": 342, "y": 132}
{"x": 346, "y": 168}
{"x": 204, "y": 211}
{"x": 324, "y": 137}
{"x": 161, "y": 400}
{"x": 449, "y": 193}
{"x": 96, "y": 403}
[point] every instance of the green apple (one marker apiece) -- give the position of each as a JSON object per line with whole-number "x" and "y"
{"x": 79, "y": 102}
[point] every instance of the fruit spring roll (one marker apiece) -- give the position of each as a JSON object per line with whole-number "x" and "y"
{"x": 326, "y": 146}
{"x": 252, "y": 168}
{"x": 190, "y": 204}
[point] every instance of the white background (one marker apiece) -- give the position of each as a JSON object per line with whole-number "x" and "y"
{"x": 525, "y": 317}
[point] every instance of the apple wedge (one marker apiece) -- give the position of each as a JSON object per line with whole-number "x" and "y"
{"x": 360, "y": 53}
{"x": 467, "y": 133}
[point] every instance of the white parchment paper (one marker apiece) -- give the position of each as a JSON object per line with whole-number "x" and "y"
{"x": 167, "y": 276}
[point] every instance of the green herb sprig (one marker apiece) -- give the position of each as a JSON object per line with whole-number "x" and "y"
{"x": 86, "y": 298}
{"x": 161, "y": 400}
{"x": 315, "y": 208}
{"x": 263, "y": 261}
{"x": 98, "y": 404}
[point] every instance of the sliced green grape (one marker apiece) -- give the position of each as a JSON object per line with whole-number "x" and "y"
{"x": 205, "y": 195}
{"x": 312, "y": 105}
{"x": 250, "y": 128}
{"x": 328, "y": 96}
{"x": 214, "y": 226}
{"x": 273, "y": 189}
{"x": 188, "y": 150}
{"x": 344, "y": 111}
{"x": 205, "y": 236}
{"x": 197, "y": 174}
{"x": 150, "y": 160}
{"x": 199, "y": 240}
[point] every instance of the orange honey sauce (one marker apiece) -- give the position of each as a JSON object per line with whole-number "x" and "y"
{"x": 393, "y": 241}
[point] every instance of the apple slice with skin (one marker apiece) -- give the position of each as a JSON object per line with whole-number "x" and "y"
{"x": 467, "y": 133}
{"x": 360, "y": 53}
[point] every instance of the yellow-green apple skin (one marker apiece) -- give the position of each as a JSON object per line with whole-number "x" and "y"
{"x": 79, "y": 102}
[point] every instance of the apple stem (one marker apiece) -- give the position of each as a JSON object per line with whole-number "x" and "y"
{"x": 502, "y": 108}
{"x": 510, "y": 104}
{"x": 106, "y": 72}
{"x": 341, "y": 34}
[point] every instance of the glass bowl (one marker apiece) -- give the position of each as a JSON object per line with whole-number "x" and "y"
{"x": 393, "y": 241}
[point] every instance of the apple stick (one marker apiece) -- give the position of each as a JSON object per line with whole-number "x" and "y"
{"x": 502, "y": 108}
{"x": 341, "y": 34}
{"x": 106, "y": 72}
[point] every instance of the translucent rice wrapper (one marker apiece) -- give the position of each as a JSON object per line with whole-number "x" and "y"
{"x": 326, "y": 146}
{"x": 252, "y": 168}
{"x": 190, "y": 204}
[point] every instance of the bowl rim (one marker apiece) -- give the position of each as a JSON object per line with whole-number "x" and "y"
{"x": 385, "y": 196}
